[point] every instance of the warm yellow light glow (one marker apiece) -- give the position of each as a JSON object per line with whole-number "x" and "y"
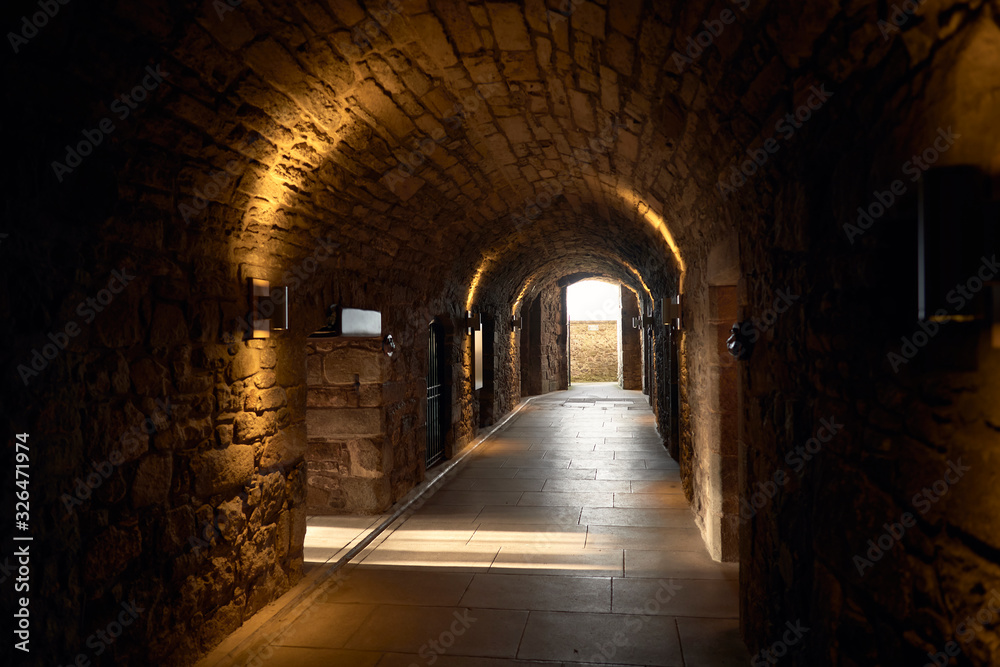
{"x": 638, "y": 277}
{"x": 474, "y": 285}
{"x": 517, "y": 302}
{"x": 643, "y": 209}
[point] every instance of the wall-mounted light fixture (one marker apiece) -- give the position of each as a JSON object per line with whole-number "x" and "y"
{"x": 473, "y": 321}
{"x": 637, "y": 322}
{"x": 672, "y": 312}
{"x": 268, "y": 308}
{"x": 515, "y": 323}
{"x": 260, "y": 326}
{"x": 281, "y": 295}
{"x": 351, "y": 323}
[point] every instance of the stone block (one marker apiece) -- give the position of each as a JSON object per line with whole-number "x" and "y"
{"x": 169, "y": 327}
{"x": 111, "y": 552}
{"x": 435, "y": 43}
{"x": 270, "y": 59}
{"x": 583, "y": 113}
{"x": 244, "y": 364}
{"x": 458, "y": 19}
{"x": 508, "y": 26}
{"x": 264, "y": 379}
{"x": 519, "y": 65}
{"x": 339, "y": 422}
{"x": 367, "y": 496}
{"x": 624, "y": 16}
{"x": 537, "y": 15}
{"x": 589, "y": 18}
{"x": 249, "y": 427}
{"x": 369, "y": 458}
{"x": 230, "y": 519}
{"x": 149, "y": 377}
{"x": 270, "y": 399}
{"x": 152, "y": 480}
{"x": 379, "y": 105}
{"x": 342, "y": 365}
{"x": 619, "y": 53}
{"x": 284, "y": 448}
{"x": 222, "y": 470}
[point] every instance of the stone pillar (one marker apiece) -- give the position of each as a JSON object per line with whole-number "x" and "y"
{"x": 349, "y": 455}
{"x": 722, "y": 314}
{"x": 531, "y": 348}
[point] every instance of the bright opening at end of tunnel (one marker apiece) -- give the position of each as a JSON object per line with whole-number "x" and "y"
{"x": 594, "y": 300}
{"x": 594, "y": 309}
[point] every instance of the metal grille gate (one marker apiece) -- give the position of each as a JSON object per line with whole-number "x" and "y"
{"x": 435, "y": 443}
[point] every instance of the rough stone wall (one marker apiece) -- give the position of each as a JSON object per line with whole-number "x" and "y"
{"x": 593, "y": 348}
{"x": 507, "y": 367}
{"x": 168, "y": 467}
{"x": 722, "y": 462}
{"x": 872, "y": 452}
{"x": 629, "y": 373}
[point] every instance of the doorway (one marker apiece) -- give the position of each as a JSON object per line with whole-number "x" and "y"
{"x": 594, "y": 320}
{"x": 435, "y": 394}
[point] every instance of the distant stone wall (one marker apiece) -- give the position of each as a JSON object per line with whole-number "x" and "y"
{"x": 593, "y": 350}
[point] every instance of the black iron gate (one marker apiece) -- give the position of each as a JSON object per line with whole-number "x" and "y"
{"x": 435, "y": 441}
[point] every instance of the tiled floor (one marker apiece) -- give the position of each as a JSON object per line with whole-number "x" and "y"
{"x": 565, "y": 540}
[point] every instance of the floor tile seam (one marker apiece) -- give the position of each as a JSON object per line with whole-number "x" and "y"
{"x": 680, "y": 644}
{"x": 374, "y": 608}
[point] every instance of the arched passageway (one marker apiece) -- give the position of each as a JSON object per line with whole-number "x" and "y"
{"x": 431, "y": 159}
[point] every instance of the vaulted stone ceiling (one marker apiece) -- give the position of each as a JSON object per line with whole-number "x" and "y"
{"x": 438, "y": 140}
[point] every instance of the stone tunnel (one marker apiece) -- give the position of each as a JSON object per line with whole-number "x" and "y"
{"x": 806, "y": 171}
